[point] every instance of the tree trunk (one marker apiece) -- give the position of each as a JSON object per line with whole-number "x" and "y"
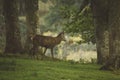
{"x": 114, "y": 44}
{"x": 1, "y": 4}
{"x": 21, "y": 7}
{"x": 101, "y": 24}
{"x": 32, "y": 21}
{"x": 13, "y": 38}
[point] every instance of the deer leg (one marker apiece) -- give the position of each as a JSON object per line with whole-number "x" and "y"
{"x": 32, "y": 52}
{"x": 52, "y": 53}
{"x": 43, "y": 55}
{"x": 35, "y": 50}
{"x": 44, "y": 51}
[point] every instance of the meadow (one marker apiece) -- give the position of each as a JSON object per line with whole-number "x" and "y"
{"x": 12, "y": 68}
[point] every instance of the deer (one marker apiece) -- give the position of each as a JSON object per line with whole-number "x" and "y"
{"x": 47, "y": 42}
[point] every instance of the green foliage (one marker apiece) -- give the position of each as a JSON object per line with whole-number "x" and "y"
{"x": 23, "y": 69}
{"x": 82, "y": 24}
{"x": 58, "y": 13}
{"x": 68, "y": 14}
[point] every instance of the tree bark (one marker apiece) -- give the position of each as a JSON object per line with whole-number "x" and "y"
{"x": 114, "y": 37}
{"x": 21, "y": 7}
{"x": 32, "y": 21}
{"x": 100, "y": 12}
{"x": 1, "y": 4}
{"x": 13, "y": 38}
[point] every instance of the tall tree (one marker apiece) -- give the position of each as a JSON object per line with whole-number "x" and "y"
{"x": 31, "y": 7}
{"x": 113, "y": 62}
{"x": 21, "y": 7}
{"x": 13, "y": 39}
{"x": 1, "y": 4}
{"x": 100, "y": 12}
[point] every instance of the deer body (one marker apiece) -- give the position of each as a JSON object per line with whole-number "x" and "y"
{"x": 47, "y": 42}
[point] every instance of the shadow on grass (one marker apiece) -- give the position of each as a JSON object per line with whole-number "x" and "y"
{"x": 6, "y": 65}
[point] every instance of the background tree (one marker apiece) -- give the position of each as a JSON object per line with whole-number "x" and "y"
{"x": 21, "y": 4}
{"x": 1, "y": 4}
{"x": 13, "y": 38}
{"x": 31, "y": 7}
{"x": 2, "y": 28}
{"x": 82, "y": 24}
{"x": 100, "y": 13}
{"x": 75, "y": 16}
{"x": 113, "y": 63}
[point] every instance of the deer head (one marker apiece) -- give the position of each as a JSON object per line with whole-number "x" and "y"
{"x": 62, "y": 36}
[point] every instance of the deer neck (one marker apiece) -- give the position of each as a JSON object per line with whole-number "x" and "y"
{"x": 58, "y": 39}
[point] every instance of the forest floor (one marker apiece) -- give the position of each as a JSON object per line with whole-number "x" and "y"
{"x": 27, "y": 69}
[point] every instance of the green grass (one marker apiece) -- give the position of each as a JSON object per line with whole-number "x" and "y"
{"x": 26, "y": 69}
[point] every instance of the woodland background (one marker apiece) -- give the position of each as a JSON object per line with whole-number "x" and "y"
{"x": 92, "y": 29}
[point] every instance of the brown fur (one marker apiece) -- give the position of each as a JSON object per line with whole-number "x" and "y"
{"x": 47, "y": 42}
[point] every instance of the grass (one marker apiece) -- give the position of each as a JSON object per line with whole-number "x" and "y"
{"x": 27, "y": 69}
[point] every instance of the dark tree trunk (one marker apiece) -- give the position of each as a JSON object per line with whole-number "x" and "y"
{"x": 100, "y": 12}
{"x": 114, "y": 44}
{"x": 13, "y": 39}
{"x": 32, "y": 21}
{"x": 1, "y": 4}
{"x": 21, "y": 7}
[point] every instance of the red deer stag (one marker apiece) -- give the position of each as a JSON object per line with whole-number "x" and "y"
{"x": 46, "y": 41}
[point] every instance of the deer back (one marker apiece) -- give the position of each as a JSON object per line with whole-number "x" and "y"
{"x": 48, "y": 41}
